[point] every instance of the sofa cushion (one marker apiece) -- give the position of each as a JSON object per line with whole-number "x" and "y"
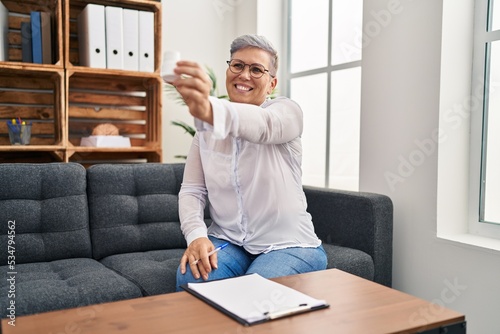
{"x": 47, "y": 286}
{"x": 153, "y": 272}
{"x": 350, "y": 260}
{"x": 134, "y": 208}
{"x": 44, "y": 208}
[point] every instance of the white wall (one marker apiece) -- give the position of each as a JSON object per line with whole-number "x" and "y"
{"x": 400, "y": 112}
{"x": 201, "y": 31}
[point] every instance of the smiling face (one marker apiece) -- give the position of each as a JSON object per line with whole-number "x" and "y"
{"x": 244, "y": 88}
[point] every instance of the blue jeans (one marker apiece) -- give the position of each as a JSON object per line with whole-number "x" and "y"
{"x": 235, "y": 261}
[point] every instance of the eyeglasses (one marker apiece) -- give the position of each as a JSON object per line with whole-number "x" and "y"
{"x": 256, "y": 70}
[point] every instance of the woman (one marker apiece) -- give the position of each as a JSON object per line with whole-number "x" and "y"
{"x": 246, "y": 160}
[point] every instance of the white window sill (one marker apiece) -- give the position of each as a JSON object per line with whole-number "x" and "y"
{"x": 473, "y": 241}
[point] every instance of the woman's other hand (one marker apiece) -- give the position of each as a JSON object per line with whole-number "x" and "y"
{"x": 198, "y": 250}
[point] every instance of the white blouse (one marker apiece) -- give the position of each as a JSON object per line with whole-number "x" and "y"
{"x": 249, "y": 165}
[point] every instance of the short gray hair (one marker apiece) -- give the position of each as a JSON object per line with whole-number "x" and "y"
{"x": 256, "y": 41}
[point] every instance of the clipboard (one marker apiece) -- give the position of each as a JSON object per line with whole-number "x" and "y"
{"x": 253, "y": 299}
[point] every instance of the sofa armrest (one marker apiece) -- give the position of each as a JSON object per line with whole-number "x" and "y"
{"x": 356, "y": 220}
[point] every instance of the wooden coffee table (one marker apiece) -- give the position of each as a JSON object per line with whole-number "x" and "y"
{"x": 356, "y": 306}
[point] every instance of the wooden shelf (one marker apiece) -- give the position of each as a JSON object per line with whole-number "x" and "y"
{"x": 19, "y": 11}
{"x": 65, "y": 101}
{"x": 14, "y": 65}
{"x": 73, "y": 8}
{"x": 32, "y": 148}
{"x": 89, "y": 156}
{"x": 36, "y": 96}
{"x": 114, "y": 149}
{"x": 132, "y": 103}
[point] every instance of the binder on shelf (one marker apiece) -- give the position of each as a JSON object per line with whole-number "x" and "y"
{"x": 92, "y": 36}
{"x": 114, "y": 37}
{"x": 146, "y": 41}
{"x": 46, "y": 33}
{"x": 26, "y": 49}
{"x": 36, "y": 37}
{"x": 131, "y": 39}
{"x": 253, "y": 299}
{"x": 4, "y": 30}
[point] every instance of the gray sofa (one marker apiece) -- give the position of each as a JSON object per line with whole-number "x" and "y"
{"x": 72, "y": 236}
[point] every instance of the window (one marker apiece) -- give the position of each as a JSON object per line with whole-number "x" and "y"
{"x": 485, "y": 121}
{"x": 488, "y": 33}
{"x": 469, "y": 95}
{"x": 462, "y": 97}
{"x": 324, "y": 77}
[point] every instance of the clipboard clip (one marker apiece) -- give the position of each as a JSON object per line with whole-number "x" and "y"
{"x": 287, "y": 312}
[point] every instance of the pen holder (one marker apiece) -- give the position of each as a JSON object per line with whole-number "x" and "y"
{"x": 19, "y": 134}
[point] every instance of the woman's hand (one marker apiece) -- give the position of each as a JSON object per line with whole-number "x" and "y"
{"x": 198, "y": 250}
{"x": 194, "y": 86}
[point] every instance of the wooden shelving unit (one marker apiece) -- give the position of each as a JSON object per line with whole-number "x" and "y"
{"x": 65, "y": 101}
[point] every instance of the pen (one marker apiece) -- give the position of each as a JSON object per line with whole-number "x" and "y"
{"x": 214, "y": 251}
{"x": 284, "y": 313}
